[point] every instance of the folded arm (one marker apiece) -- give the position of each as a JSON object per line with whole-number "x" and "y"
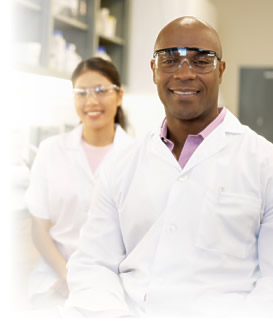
{"x": 93, "y": 270}
{"x": 49, "y": 251}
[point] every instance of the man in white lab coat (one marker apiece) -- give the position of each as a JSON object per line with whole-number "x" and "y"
{"x": 183, "y": 225}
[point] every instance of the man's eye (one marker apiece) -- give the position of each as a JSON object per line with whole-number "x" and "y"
{"x": 201, "y": 61}
{"x": 169, "y": 60}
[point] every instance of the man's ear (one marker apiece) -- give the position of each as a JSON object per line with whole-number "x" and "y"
{"x": 222, "y": 68}
{"x": 152, "y": 63}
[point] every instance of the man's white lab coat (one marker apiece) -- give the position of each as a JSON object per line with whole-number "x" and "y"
{"x": 161, "y": 240}
{"x": 61, "y": 189}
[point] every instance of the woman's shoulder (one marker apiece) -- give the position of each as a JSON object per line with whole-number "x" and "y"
{"x": 121, "y": 136}
{"x": 62, "y": 140}
{"x": 128, "y": 153}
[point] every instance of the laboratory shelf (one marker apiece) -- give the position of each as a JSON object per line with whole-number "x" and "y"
{"x": 28, "y": 4}
{"x": 64, "y": 22}
{"x": 37, "y": 20}
{"x": 112, "y": 40}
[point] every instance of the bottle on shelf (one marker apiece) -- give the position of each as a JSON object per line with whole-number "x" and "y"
{"x": 57, "y": 7}
{"x": 66, "y": 7}
{"x": 101, "y": 52}
{"x": 82, "y": 10}
{"x": 57, "y": 51}
{"x": 72, "y": 6}
{"x": 102, "y": 18}
{"x": 106, "y": 23}
{"x": 110, "y": 26}
{"x": 71, "y": 58}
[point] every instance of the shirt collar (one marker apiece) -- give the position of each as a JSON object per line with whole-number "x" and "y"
{"x": 204, "y": 133}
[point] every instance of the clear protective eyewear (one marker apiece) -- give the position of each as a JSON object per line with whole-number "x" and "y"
{"x": 99, "y": 92}
{"x": 199, "y": 60}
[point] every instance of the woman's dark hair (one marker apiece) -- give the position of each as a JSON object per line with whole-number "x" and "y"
{"x": 107, "y": 69}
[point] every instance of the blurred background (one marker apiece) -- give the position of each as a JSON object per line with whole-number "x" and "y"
{"x": 49, "y": 37}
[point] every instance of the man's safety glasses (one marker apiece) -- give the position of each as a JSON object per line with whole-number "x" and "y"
{"x": 170, "y": 60}
{"x": 99, "y": 92}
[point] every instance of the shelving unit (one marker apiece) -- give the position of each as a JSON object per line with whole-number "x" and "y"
{"x": 30, "y": 4}
{"x": 35, "y": 22}
{"x": 64, "y": 20}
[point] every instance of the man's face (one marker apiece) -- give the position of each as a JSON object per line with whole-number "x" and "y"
{"x": 185, "y": 94}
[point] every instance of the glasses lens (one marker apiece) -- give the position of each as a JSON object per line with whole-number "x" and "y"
{"x": 171, "y": 61}
{"x": 202, "y": 63}
{"x": 102, "y": 91}
{"x": 168, "y": 61}
{"x": 81, "y": 94}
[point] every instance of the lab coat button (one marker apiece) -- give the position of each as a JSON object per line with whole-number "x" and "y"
{"x": 183, "y": 178}
{"x": 172, "y": 227}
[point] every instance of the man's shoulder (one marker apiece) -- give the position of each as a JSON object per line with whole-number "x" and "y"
{"x": 129, "y": 155}
{"x": 133, "y": 148}
{"x": 259, "y": 139}
{"x": 248, "y": 133}
{"x": 260, "y": 148}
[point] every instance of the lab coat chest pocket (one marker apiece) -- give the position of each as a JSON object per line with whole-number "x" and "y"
{"x": 229, "y": 223}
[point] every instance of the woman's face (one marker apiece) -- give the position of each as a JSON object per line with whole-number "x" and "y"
{"x": 96, "y": 111}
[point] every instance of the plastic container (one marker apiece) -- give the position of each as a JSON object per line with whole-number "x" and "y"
{"x": 57, "y": 54}
{"x": 110, "y": 26}
{"x": 71, "y": 58}
{"x": 102, "y": 20}
{"x": 82, "y": 10}
{"x": 101, "y": 52}
{"x": 73, "y": 8}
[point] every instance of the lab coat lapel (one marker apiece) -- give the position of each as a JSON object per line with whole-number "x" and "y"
{"x": 215, "y": 141}
{"x": 74, "y": 146}
{"x": 159, "y": 148}
{"x": 76, "y": 152}
{"x": 121, "y": 139}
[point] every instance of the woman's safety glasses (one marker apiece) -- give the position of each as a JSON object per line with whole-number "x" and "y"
{"x": 99, "y": 92}
{"x": 170, "y": 60}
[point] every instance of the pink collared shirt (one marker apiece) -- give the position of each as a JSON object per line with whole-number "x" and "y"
{"x": 95, "y": 154}
{"x": 192, "y": 141}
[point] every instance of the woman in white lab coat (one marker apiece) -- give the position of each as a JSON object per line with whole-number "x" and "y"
{"x": 65, "y": 172}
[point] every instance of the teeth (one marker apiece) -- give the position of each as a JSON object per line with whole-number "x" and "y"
{"x": 184, "y": 93}
{"x": 93, "y": 114}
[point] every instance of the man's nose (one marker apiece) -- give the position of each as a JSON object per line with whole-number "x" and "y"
{"x": 184, "y": 70}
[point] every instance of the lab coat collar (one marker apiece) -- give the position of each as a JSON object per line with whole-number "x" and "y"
{"x": 216, "y": 140}
{"x": 231, "y": 124}
{"x": 213, "y": 143}
{"x": 73, "y": 142}
{"x": 73, "y": 139}
{"x": 121, "y": 138}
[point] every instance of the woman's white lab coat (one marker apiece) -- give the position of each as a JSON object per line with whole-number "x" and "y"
{"x": 61, "y": 189}
{"x": 170, "y": 241}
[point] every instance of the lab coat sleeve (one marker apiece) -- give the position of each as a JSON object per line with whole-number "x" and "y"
{"x": 93, "y": 270}
{"x": 36, "y": 197}
{"x": 260, "y": 300}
